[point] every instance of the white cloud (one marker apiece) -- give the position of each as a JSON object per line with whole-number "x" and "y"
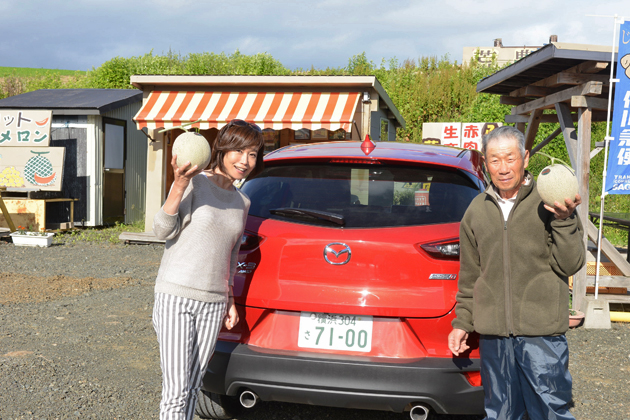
{"x": 299, "y": 33}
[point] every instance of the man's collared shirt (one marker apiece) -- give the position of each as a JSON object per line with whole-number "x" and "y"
{"x": 506, "y": 204}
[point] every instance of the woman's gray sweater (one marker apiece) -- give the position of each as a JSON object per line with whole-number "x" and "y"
{"x": 202, "y": 241}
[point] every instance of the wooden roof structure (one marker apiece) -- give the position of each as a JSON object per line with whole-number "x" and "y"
{"x": 573, "y": 80}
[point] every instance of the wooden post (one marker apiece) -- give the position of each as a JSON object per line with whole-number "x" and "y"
{"x": 366, "y": 118}
{"x": 582, "y": 172}
{"x": 285, "y": 137}
{"x": 546, "y": 141}
{"x": 5, "y": 212}
{"x": 156, "y": 177}
{"x": 568, "y": 131}
{"x": 532, "y": 128}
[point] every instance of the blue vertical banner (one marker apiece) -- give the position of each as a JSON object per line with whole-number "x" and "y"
{"x": 618, "y": 177}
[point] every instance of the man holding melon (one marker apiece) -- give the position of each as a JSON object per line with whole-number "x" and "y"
{"x": 202, "y": 222}
{"x": 516, "y": 253}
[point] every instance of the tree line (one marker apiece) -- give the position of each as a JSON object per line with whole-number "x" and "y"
{"x": 427, "y": 89}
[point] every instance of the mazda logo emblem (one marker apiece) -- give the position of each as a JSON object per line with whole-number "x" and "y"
{"x": 333, "y": 253}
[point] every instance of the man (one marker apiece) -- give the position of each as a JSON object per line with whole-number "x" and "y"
{"x": 516, "y": 254}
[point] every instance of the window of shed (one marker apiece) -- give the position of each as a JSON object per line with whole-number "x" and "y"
{"x": 340, "y": 134}
{"x": 384, "y": 129}
{"x": 302, "y": 134}
{"x": 272, "y": 139}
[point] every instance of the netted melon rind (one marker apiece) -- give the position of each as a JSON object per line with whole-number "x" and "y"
{"x": 193, "y": 147}
{"x": 555, "y": 183}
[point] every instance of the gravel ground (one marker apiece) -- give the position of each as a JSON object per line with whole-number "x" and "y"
{"x": 76, "y": 342}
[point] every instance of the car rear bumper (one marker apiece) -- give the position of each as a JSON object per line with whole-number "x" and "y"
{"x": 350, "y": 382}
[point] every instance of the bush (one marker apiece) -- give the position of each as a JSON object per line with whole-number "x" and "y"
{"x": 116, "y": 73}
{"x": 17, "y": 82}
{"x": 429, "y": 89}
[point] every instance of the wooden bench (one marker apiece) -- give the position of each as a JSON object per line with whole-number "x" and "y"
{"x": 140, "y": 238}
{"x": 39, "y": 214}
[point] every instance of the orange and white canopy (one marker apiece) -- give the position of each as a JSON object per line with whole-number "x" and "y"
{"x": 275, "y": 110}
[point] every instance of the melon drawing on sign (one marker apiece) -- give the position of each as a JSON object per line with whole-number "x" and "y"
{"x": 557, "y": 182}
{"x": 39, "y": 170}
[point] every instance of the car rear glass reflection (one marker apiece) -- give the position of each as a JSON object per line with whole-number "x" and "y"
{"x": 363, "y": 196}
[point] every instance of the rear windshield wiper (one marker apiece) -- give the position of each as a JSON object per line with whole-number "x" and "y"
{"x": 317, "y": 214}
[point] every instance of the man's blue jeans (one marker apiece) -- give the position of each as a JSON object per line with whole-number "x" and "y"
{"x": 525, "y": 375}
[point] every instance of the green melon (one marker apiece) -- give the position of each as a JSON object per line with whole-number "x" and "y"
{"x": 555, "y": 183}
{"x": 192, "y": 147}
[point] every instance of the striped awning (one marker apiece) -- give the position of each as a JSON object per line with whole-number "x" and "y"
{"x": 276, "y": 110}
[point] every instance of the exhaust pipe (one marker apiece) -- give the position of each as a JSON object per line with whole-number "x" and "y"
{"x": 419, "y": 412}
{"x": 248, "y": 399}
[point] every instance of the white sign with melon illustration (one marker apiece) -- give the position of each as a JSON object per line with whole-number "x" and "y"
{"x": 34, "y": 168}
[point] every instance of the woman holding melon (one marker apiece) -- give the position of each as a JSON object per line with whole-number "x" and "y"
{"x": 202, "y": 222}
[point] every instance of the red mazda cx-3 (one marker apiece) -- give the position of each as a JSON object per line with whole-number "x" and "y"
{"x": 346, "y": 283}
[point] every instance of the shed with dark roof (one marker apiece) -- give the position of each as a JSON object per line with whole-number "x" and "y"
{"x": 105, "y": 156}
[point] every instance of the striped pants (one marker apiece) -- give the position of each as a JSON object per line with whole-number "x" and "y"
{"x": 187, "y": 333}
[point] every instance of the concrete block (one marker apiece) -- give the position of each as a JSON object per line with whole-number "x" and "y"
{"x": 597, "y": 313}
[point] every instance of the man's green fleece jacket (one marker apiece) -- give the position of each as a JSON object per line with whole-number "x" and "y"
{"x": 513, "y": 275}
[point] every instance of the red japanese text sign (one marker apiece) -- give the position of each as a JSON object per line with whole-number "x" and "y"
{"x": 457, "y": 134}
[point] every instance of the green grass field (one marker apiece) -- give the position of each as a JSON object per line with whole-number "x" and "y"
{"x": 33, "y": 72}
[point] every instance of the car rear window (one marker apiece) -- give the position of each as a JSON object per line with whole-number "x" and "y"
{"x": 364, "y": 196}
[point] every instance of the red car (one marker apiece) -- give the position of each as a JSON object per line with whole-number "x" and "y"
{"x": 346, "y": 283}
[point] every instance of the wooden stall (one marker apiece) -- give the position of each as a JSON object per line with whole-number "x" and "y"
{"x": 104, "y": 167}
{"x": 289, "y": 109}
{"x": 563, "y": 83}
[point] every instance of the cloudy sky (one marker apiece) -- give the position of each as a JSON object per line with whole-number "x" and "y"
{"x": 81, "y": 34}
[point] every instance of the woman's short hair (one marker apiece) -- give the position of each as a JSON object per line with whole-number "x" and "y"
{"x": 237, "y": 135}
{"x": 504, "y": 131}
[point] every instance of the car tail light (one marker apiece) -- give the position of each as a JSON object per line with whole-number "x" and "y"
{"x": 445, "y": 250}
{"x": 357, "y": 161}
{"x": 250, "y": 241}
{"x": 473, "y": 378}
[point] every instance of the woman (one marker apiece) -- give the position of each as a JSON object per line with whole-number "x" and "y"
{"x": 202, "y": 221}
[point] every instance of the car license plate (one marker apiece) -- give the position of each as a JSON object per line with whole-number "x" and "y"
{"x": 335, "y": 331}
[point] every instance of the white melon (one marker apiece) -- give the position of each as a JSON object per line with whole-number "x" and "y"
{"x": 555, "y": 183}
{"x": 192, "y": 147}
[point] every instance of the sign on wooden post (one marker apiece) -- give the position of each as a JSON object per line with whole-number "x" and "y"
{"x": 26, "y": 161}
{"x": 38, "y": 168}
